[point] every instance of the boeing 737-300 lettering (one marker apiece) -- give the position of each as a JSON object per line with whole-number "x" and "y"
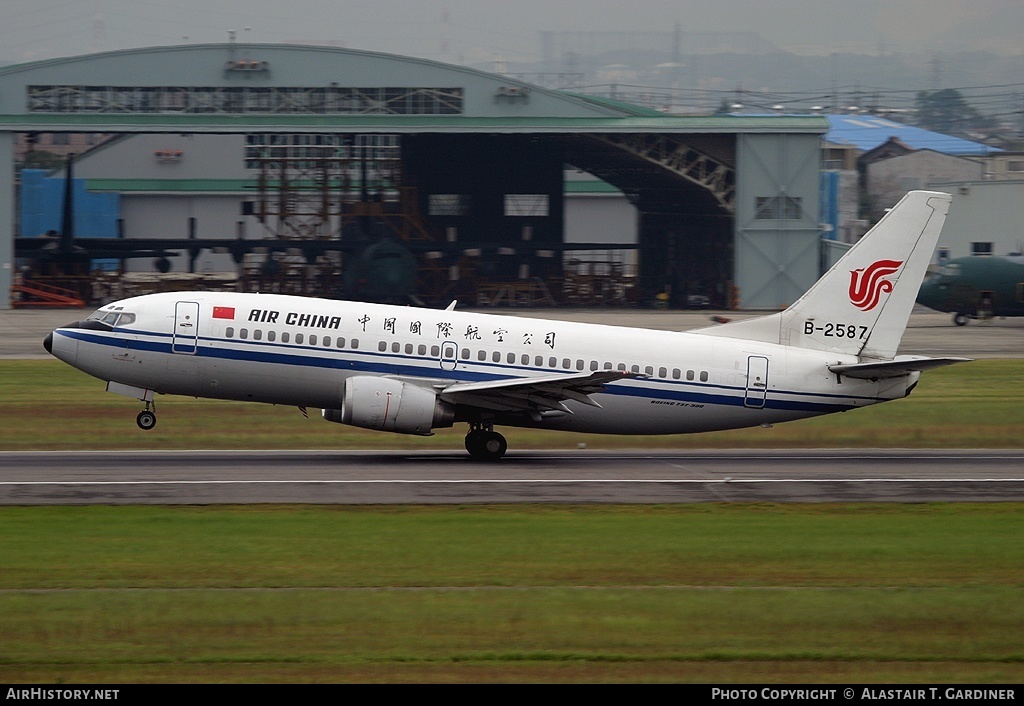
{"x": 412, "y": 370}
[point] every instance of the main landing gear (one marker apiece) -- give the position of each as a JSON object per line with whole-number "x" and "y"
{"x": 485, "y": 444}
{"x": 147, "y": 417}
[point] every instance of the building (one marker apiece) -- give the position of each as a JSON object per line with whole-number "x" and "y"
{"x": 465, "y": 168}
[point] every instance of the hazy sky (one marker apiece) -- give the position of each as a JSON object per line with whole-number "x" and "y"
{"x": 476, "y": 31}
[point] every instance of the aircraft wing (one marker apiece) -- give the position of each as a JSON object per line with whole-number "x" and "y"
{"x": 902, "y": 365}
{"x": 548, "y": 392}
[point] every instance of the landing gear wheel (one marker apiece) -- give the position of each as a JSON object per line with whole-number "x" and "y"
{"x": 960, "y": 319}
{"x": 474, "y": 443}
{"x": 485, "y": 445}
{"x": 146, "y": 419}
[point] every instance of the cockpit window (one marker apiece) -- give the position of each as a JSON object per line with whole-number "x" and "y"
{"x": 115, "y": 317}
{"x": 946, "y": 274}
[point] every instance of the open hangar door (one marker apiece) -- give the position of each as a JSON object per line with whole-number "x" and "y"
{"x": 686, "y": 253}
{"x": 497, "y": 200}
{"x": 683, "y": 188}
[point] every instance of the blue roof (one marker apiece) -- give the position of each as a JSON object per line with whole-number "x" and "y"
{"x": 867, "y": 132}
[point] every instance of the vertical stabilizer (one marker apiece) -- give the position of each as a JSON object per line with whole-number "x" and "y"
{"x": 861, "y": 306}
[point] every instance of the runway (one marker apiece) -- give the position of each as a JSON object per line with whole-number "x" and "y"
{"x": 589, "y": 476}
{"x": 585, "y": 476}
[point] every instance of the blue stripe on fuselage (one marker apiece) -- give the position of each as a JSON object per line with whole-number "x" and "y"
{"x": 251, "y": 353}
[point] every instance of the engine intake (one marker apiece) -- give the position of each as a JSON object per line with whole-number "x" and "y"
{"x": 386, "y": 404}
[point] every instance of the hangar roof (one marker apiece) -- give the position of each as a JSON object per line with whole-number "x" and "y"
{"x": 867, "y": 132}
{"x": 275, "y": 87}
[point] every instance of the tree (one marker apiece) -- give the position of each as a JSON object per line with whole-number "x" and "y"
{"x": 946, "y": 111}
{"x": 39, "y": 159}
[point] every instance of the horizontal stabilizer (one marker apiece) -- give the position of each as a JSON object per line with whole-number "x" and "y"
{"x": 899, "y": 367}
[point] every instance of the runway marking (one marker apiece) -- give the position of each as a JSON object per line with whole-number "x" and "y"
{"x": 497, "y": 481}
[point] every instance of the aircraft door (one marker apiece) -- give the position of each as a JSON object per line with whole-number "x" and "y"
{"x": 757, "y": 382}
{"x": 186, "y": 328}
{"x": 449, "y": 355}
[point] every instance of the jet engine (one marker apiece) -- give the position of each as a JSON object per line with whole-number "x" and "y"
{"x": 386, "y": 404}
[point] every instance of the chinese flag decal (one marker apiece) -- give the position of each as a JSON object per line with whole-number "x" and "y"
{"x": 224, "y": 312}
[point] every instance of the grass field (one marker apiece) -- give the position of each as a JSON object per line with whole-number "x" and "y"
{"x": 744, "y": 593}
{"x": 800, "y": 593}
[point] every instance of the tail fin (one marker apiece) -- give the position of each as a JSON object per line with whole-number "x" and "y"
{"x": 861, "y": 306}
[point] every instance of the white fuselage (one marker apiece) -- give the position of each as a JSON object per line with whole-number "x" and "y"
{"x": 300, "y": 351}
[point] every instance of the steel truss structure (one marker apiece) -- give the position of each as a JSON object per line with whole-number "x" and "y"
{"x": 679, "y": 157}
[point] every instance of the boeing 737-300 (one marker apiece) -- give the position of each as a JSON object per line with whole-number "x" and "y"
{"x": 412, "y": 370}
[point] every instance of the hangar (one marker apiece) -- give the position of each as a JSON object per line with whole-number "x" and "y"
{"x": 466, "y": 163}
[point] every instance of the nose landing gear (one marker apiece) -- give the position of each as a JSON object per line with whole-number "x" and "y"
{"x": 485, "y": 444}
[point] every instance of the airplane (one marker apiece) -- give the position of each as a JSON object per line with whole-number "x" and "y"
{"x": 411, "y": 370}
{"x": 977, "y": 287}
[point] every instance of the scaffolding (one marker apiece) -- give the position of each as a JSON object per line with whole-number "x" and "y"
{"x": 347, "y": 189}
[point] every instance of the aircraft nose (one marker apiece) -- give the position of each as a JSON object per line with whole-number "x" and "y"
{"x": 62, "y": 346}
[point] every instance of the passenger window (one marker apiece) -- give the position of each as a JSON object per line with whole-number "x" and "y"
{"x": 552, "y": 362}
{"x": 355, "y": 343}
{"x": 465, "y": 354}
{"x": 299, "y": 338}
{"x": 579, "y": 364}
{"x": 663, "y": 372}
{"x": 566, "y": 363}
{"x": 327, "y": 341}
{"x": 312, "y": 340}
{"x": 382, "y": 346}
{"x": 703, "y": 375}
{"x": 340, "y": 343}
{"x": 435, "y": 351}
{"x": 422, "y": 349}
{"x": 396, "y": 347}
{"x": 689, "y": 375}
{"x": 229, "y": 332}
{"x": 481, "y": 355}
{"x": 244, "y": 333}
{"x": 271, "y": 336}
{"x": 675, "y": 373}
{"x": 539, "y": 361}
{"x": 635, "y": 369}
{"x": 649, "y": 370}
{"x": 525, "y": 360}
{"x": 496, "y": 356}
{"x": 257, "y": 335}
{"x": 622, "y": 367}
{"x": 285, "y": 337}
{"x": 511, "y": 358}
{"x": 408, "y": 349}
{"x": 607, "y": 365}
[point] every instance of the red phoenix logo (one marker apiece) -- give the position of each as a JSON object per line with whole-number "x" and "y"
{"x": 867, "y": 285}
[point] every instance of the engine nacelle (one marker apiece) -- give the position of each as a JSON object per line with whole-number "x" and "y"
{"x": 386, "y": 404}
